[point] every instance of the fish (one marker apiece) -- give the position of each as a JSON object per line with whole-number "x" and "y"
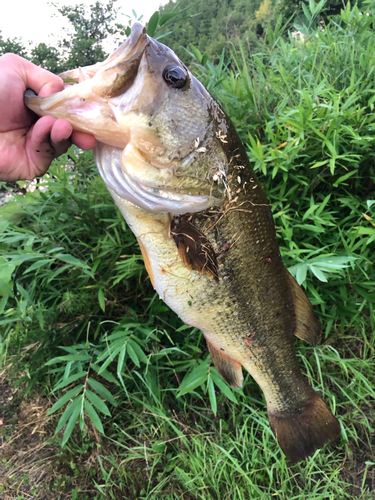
{"x": 176, "y": 168}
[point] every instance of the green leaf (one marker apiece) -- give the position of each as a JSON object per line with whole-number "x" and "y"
{"x": 97, "y": 402}
{"x": 153, "y": 23}
{"x": 72, "y": 422}
{"x": 104, "y": 373}
{"x": 132, "y": 354}
{"x": 101, "y": 299}
{"x": 6, "y": 269}
{"x": 103, "y": 391}
{"x": 159, "y": 447}
{"x": 3, "y": 303}
{"x": 138, "y": 350}
{"x": 64, "y": 399}
{"x": 68, "y": 411}
{"x": 38, "y": 264}
{"x": 69, "y": 380}
{"x": 300, "y": 274}
{"x": 197, "y": 53}
{"x": 344, "y": 177}
{"x": 69, "y": 259}
{"x": 111, "y": 352}
{"x": 195, "y": 378}
{"x": 306, "y": 12}
{"x": 222, "y": 385}
{"x": 52, "y": 275}
{"x": 94, "y": 417}
{"x": 212, "y": 395}
{"x": 319, "y": 273}
{"x": 69, "y": 357}
{"x": 120, "y": 361}
{"x": 167, "y": 17}
{"x": 5, "y": 289}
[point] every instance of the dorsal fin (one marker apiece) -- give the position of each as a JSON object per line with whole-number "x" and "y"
{"x": 194, "y": 247}
{"x": 307, "y": 325}
{"x": 229, "y": 368}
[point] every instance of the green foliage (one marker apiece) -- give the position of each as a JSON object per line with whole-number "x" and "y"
{"x": 306, "y": 11}
{"x": 91, "y": 27}
{"x": 80, "y": 319}
{"x": 12, "y": 45}
{"x": 156, "y": 26}
{"x": 214, "y": 25}
{"x": 310, "y": 133}
{"x": 46, "y": 57}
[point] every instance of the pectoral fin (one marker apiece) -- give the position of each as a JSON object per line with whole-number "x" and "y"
{"x": 194, "y": 248}
{"x": 147, "y": 262}
{"x": 307, "y": 325}
{"x": 229, "y": 368}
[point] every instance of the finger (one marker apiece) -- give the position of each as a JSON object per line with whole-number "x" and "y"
{"x": 43, "y": 82}
{"x": 62, "y": 130}
{"x": 40, "y": 150}
{"x": 60, "y": 136}
{"x": 82, "y": 140}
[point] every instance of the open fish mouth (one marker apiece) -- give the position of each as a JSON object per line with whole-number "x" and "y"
{"x": 131, "y": 102}
{"x": 89, "y": 98}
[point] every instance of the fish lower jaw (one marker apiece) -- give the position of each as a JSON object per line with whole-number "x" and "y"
{"x": 152, "y": 199}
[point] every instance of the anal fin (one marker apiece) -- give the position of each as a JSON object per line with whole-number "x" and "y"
{"x": 229, "y": 368}
{"x": 307, "y": 325}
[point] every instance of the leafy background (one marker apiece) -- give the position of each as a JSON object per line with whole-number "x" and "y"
{"x": 130, "y": 388}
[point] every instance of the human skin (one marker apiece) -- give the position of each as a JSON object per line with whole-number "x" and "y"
{"x": 28, "y": 144}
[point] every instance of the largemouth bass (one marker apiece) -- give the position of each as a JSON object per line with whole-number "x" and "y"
{"x": 177, "y": 170}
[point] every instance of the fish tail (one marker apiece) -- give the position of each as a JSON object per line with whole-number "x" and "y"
{"x": 305, "y": 430}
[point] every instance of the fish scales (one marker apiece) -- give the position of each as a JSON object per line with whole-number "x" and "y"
{"x": 177, "y": 170}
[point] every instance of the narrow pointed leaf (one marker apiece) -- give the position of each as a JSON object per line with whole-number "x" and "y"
{"x": 72, "y": 422}
{"x": 69, "y": 380}
{"x": 68, "y": 411}
{"x": 94, "y": 417}
{"x": 64, "y": 399}
{"x": 103, "y": 391}
{"x": 97, "y": 402}
{"x": 153, "y": 23}
{"x": 133, "y": 355}
{"x": 212, "y": 395}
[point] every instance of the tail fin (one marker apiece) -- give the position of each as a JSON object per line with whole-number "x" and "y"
{"x": 300, "y": 433}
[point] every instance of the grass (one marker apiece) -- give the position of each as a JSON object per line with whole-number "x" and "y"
{"x": 78, "y": 312}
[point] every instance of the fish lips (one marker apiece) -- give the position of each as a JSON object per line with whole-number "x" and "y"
{"x": 131, "y": 49}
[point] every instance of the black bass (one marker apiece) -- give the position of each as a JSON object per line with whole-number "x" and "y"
{"x": 177, "y": 170}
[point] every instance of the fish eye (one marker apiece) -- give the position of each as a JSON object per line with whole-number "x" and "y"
{"x": 175, "y": 76}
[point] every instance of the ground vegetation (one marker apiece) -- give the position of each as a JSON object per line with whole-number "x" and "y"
{"x": 116, "y": 388}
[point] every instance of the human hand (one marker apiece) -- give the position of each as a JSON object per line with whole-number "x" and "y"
{"x": 27, "y": 148}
